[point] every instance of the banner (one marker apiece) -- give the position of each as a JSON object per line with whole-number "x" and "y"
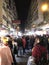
{"x": 16, "y": 21}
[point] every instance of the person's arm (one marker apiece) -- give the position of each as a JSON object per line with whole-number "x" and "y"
{"x": 10, "y": 58}
{"x": 34, "y": 52}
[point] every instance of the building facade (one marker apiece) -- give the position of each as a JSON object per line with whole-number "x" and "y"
{"x": 35, "y": 15}
{"x": 8, "y": 12}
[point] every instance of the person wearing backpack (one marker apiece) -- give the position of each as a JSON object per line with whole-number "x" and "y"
{"x": 39, "y": 51}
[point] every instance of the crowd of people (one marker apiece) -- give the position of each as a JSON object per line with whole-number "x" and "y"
{"x": 10, "y": 46}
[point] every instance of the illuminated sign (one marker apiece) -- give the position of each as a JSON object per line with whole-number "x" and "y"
{"x": 16, "y": 21}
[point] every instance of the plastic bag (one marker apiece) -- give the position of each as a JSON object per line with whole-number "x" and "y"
{"x": 31, "y": 61}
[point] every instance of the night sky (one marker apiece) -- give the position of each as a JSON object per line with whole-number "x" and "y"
{"x": 22, "y": 7}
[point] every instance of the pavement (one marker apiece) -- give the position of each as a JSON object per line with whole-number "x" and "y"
{"x": 22, "y": 59}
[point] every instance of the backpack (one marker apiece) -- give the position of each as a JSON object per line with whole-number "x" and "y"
{"x": 42, "y": 60}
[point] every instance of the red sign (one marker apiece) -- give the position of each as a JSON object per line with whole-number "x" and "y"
{"x": 16, "y": 21}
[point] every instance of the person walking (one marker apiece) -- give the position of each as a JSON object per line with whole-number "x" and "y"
{"x": 39, "y": 51}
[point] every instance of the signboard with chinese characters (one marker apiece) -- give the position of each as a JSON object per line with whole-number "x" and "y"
{"x": 16, "y": 21}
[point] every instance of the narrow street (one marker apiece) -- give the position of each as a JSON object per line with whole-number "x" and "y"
{"x": 24, "y": 32}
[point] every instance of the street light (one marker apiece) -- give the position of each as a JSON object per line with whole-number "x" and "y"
{"x": 34, "y": 25}
{"x": 18, "y": 27}
{"x": 44, "y": 7}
